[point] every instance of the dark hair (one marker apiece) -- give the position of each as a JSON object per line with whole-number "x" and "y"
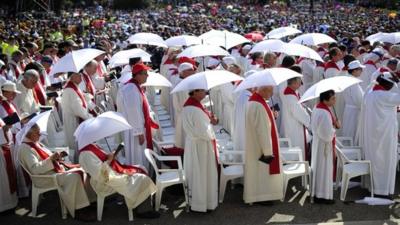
{"x": 288, "y": 61}
{"x": 33, "y": 66}
{"x": 333, "y": 52}
{"x": 296, "y": 68}
{"x": 387, "y": 85}
{"x": 133, "y": 61}
{"x": 291, "y": 80}
{"x": 255, "y": 55}
{"x": 325, "y": 96}
{"x": 365, "y": 42}
{"x": 343, "y": 48}
{"x": 352, "y": 70}
{"x": 347, "y": 59}
{"x": 332, "y": 45}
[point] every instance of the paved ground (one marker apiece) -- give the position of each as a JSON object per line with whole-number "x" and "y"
{"x": 295, "y": 210}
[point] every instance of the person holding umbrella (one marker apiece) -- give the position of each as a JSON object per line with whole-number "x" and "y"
{"x": 323, "y": 126}
{"x": 200, "y": 157}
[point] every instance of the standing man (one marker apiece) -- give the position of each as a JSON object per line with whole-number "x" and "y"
{"x": 332, "y": 67}
{"x": 133, "y": 104}
{"x": 74, "y": 109}
{"x": 379, "y": 132}
{"x": 200, "y": 161}
{"x": 262, "y": 169}
{"x": 323, "y": 125}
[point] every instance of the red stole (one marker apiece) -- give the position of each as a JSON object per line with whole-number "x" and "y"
{"x": 148, "y": 122}
{"x": 289, "y": 91}
{"x": 43, "y": 156}
{"x": 370, "y": 62}
{"x": 274, "y": 166}
{"x": 17, "y": 70}
{"x": 88, "y": 83}
{"x": 299, "y": 60}
{"x": 193, "y": 102}
{"x": 11, "y": 172}
{"x": 168, "y": 61}
{"x": 383, "y": 69}
{"x": 115, "y": 165}
{"x": 378, "y": 87}
{"x": 174, "y": 71}
{"x": 39, "y": 94}
{"x": 10, "y": 108}
{"x": 331, "y": 65}
{"x": 78, "y": 92}
{"x": 321, "y": 105}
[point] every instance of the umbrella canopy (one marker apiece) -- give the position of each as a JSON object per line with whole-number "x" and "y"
{"x": 312, "y": 39}
{"x": 202, "y": 51}
{"x": 254, "y": 37}
{"x": 392, "y": 38}
{"x": 122, "y": 57}
{"x": 183, "y": 40}
{"x": 147, "y": 39}
{"x": 75, "y": 60}
{"x": 374, "y": 37}
{"x": 281, "y": 32}
{"x": 224, "y": 38}
{"x": 268, "y": 46}
{"x": 154, "y": 79}
{"x": 206, "y": 80}
{"x": 40, "y": 119}
{"x": 267, "y": 77}
{"x": 92, "y": 130}
{"x": 338, "y": 84}
{"x": 302, "y": 51}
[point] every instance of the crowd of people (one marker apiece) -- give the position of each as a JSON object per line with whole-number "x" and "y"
{"x": 255, "y": 118}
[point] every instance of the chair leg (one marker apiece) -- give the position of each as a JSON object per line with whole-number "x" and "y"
{"x": 158, "y": 197}
{"x": 345, "y": 185}
{"x": 371, "y": 184}
{"x": 100, "y": 205}
{"x": 186, "y": 196}
{"x": 285, "y": 183}
{"x": 338, "y": 176}
{"x": 64, "y": 210}
{"x": 130, "y": 214}
{"x": 310, "y": 177}
{"x": 35, "y": 200}
{"x": 222, "y": 187}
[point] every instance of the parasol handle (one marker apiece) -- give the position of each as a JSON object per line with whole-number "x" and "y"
{"x": 109, "y": 148}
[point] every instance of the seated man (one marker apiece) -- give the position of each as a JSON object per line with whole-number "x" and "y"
{"x": 40, "y": 161}
{"x": 108, "y": 175}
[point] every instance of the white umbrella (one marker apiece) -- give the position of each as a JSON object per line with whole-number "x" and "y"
{"x": 157, "y": 80}
{"x": 183, "y": 40}
{"x": 147, "y": 39}
{"x": 392, "y": 38}
{"x": 122, "y": 57}
{"x": 268, "y": 46}
{"x": 224, "y": 38}
{"x": 102, "y": 126}
{"x": 375, "y": 201}
{"x": 281, "y": 32}
{"x": 374, "y": 37}
{"x": 312, "y": 39}
{"x": 75, "y": 60}
{"x": 337, "y": 84}
{"x": 202, "y": 51}
{"x": 302, "y": 51}
{"x": 267, "y": 77}
{"x": 40, "y": 119}
{"x": 206, "y": 80}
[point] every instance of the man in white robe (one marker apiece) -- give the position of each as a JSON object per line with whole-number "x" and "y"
{"x": 74, "y": 110}
{"x": 333, "y": 67}
{"x": 25, "y": 101}
{"x": 132, "y": 103}
{"x": 40, "y": 161}
{"x": 178, "y": 100}
{"x": 371, "y": 65}
{"x": 295, "y": 118}
{"x": 263, "y": 180}
{"x": 323, "y": 125}
{"x": 379, "y": 132}
{"x": 200, "y": 161}
{"x": 107, "y": 176}
{"x": 353, "y": 97}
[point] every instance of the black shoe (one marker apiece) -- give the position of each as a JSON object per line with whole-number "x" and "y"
{"x": 265, "y": 203}
{"x": 384, "y": 196}
{"x": 86, "y": 215}
{"x": 324, "y": 201}
{"x": 148, "y": 215}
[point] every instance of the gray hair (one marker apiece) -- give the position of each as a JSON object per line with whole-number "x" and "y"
{"x": 29, "y": 74}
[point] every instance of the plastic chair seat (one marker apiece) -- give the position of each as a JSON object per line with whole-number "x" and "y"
{"x": 169, "y": 177}
{"x": 235, "y": 170}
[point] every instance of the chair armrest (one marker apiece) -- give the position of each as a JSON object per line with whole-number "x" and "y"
{"x": 361, "y": 161}
{"x": 296, "y": 162}
{"x": 171, "y": 158}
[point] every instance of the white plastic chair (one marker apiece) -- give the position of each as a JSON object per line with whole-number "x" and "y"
{"x": 351, "y": 169}
{"x": 285, "y": 143}
{"x": 166, "y": 177}
{"x": 232, "y": 171}
{"x": 100, "y": 206}
{"x": 293, "y": 169}
{"x": 37, "y": 190}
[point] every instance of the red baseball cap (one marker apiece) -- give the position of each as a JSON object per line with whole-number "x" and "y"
{"x": 139, "y": 67}
{"x": 187, "y": 60}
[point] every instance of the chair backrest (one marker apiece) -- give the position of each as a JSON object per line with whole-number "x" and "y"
{"x": 37, "y": 180}
{"x": 285, "y": 143}
{"x": 341, "y": 156}
{"x": 151, "y": 155}
{"x": 344, "y": 141}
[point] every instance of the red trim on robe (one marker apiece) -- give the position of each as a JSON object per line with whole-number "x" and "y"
{"x": 370, "y": 62}
{"x": 88, "y": 84}
{"x": 39, "y": 94}
{"x": 77, "y": 91}
{"x": 331, "y": 65}
{"x": 378, "y": 87}
{"x": 11, "y": 172}
{"x": 274, "y": 166}
{"x": 114, "y": 164}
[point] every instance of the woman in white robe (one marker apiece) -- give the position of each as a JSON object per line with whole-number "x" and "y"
{"x": 379, "y": 133}
{"x": 353, "y": 97}
{"x": 200, "y": 156}
{"x": 323, "y": 125}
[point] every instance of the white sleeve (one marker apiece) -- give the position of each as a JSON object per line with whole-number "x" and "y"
{"x": 133, "y": 107}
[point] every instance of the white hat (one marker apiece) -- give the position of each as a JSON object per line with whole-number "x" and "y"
{"x": 10, "y": 86}
{"x": 388, "y": 77}
{"x": 246, "y": 47}
{"x": 355, "y": 65}
{"x": 229, "y": 60}
{"x": 379, "y": 52}
{"x": 185, "y": 66}
{"x": 212, "y": 62}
